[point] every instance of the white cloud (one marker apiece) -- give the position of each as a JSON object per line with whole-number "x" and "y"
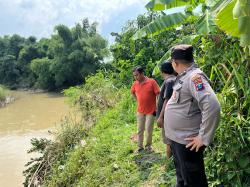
{"x": 38, "y": 17}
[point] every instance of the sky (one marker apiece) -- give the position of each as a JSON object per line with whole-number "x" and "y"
{"x": 38, "y": 17}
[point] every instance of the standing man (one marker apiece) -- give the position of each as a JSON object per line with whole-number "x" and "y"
{"x": 145, "y": 91}
{"x": 191, "y": 117}
{"x": 167, "y": 73}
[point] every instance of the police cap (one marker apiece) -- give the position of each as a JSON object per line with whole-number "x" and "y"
{"x": 182, "y": 52}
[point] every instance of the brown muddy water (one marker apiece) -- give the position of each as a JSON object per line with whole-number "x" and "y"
{"x": 30, "y": 115}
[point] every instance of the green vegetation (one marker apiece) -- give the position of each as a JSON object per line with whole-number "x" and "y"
{"x": 103, "y": 153}
{"x": 231, "y": 16}
{"x": 3, "y": 93}
{"x": 105, "y": 157}
{"x": 97, "y": 151}
{"x": 64, "y": 60}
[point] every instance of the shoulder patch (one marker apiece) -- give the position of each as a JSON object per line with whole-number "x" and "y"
{"x": 197, "y": 80}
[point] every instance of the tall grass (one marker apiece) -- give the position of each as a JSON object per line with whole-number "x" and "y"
{"x": 228, "y": 159}
{"x": 3, "y": 93}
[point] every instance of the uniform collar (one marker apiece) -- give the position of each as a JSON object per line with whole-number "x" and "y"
{"x": 193, "y": 66}
{"x": 169, "y": 77}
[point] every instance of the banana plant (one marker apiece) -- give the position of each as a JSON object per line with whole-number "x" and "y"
{"x": 164, "y": 23}
{"x": 174, "y": 20}
{"x": 159, "y": 5}
{"x": 232, "y": 16}
{"x": 234, "y": 19}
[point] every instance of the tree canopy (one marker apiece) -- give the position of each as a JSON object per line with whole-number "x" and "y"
{"x": 65, "y": 59}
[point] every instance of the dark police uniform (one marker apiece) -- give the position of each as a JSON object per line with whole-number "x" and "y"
{"x": 193, "y": 110}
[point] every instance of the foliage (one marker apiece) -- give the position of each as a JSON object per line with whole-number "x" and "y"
{"x": 94, "y": 97}
{"x": 43, "y": 73}
{"x": 9, "y": 72}
{"x": 70, "y": 55}
{"x": 3, "y": 93}
{"x": 227, "y": 160}
{"x": 146, "y": 52}
{"x": 165, "y": 22}
{"x": 239, "y": 14}
{"x": 51, "y": 152}
{"x": 220, "y": 12}
{"x": 105, "y": 157}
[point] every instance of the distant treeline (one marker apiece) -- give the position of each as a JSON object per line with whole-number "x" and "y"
{"x": 63, "y": 60}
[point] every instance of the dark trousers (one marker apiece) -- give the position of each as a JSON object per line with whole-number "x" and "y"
{"x": 189, "y": 166}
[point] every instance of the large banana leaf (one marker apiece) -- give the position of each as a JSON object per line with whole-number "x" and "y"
{"x": 241, "y": 9}
{"x": 159, "y": 5}
{"x": 234, "y": 19}
{"x": 225, "y": 20}
{"x": 242, "y": 12}
{"x": 161, "y": 24}
{"x": 205, "y": 24}
{"x": 218, "y": 5}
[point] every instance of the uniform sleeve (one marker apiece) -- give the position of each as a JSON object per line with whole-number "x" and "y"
{"x": 155, "y": 87}
{"x": 209, "y": 106}
{"x": 168, "y": 90}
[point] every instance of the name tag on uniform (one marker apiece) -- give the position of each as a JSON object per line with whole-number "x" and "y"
{"x": 175, "y": 96}
{"x": 176, "y": 93}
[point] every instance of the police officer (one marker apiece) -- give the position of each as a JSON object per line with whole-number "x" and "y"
{"x": 191, "y": 117}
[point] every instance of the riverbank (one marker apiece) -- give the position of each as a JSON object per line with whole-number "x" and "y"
{"x": 104, "y": 154}
{"x": 5, "y": 97}
{"x": 6, "y": 100}
{"x": 98, "y": 151}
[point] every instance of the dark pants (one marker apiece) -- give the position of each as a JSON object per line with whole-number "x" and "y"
{"x": 189, "y": 166}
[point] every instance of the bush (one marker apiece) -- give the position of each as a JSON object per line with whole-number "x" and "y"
{"x": 3, "y": 93}
{"x": 52, "y": 152}
{"x": 94, "y": 97}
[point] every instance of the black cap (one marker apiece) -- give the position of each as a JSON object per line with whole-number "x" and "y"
{"x": 182, "y": 52}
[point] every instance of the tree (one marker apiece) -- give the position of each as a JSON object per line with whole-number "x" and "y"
{"x": 42, "y": 70}
{"x": 9, "y": 72}
{"x": 15, "y": 44}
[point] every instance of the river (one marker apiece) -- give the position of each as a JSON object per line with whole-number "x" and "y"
{"x": 30, "y": 115}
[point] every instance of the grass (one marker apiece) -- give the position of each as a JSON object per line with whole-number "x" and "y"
{"x": 106, "y": 156}
{"x": 3, "y": 93}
